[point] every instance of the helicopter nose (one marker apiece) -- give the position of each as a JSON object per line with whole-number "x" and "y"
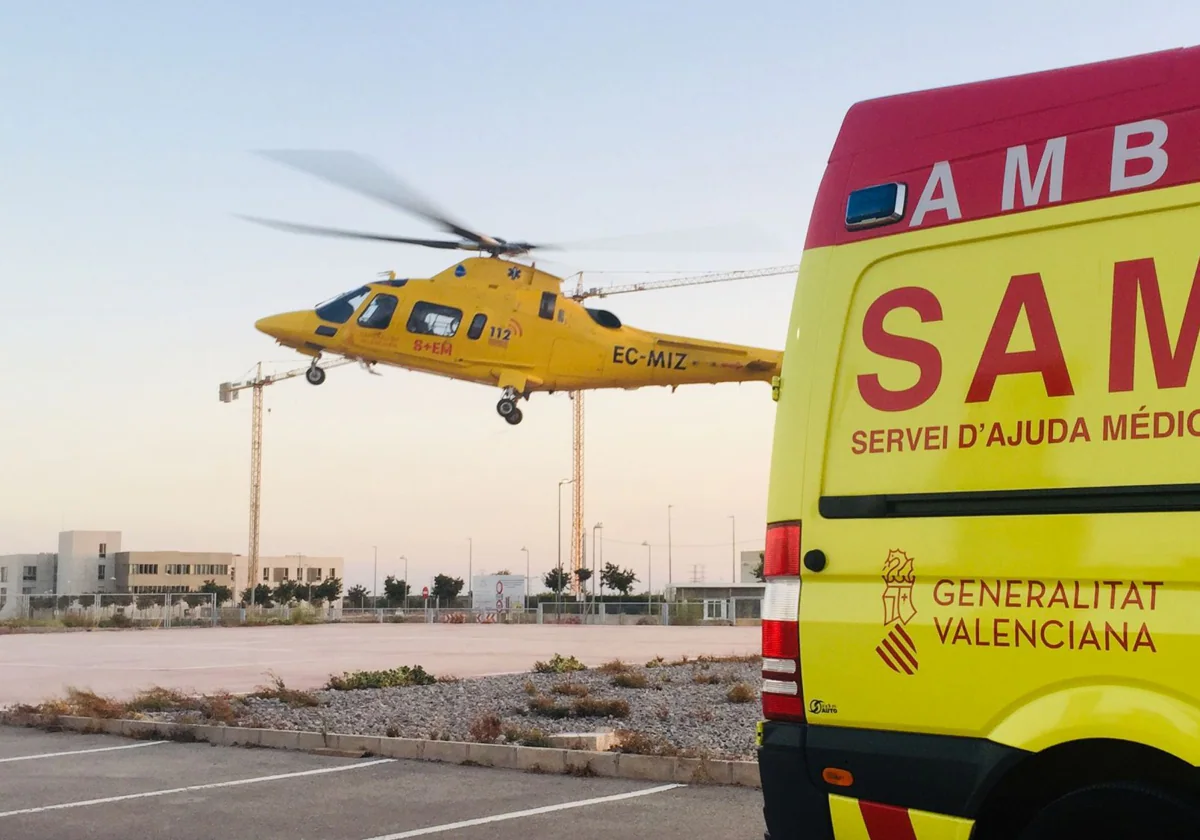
{"x": 281, "y": 327}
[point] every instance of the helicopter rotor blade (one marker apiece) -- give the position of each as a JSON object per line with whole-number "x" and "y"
{"x": 711, "y": 239}
{"x": 362, "y": 175}
{"x": 448, "y": 244}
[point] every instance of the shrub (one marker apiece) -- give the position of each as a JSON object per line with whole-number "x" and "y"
{"x": 707, "y": 678}
{"x": 656, "y": 662}
{"x": 526, "y": 737}
{"x": 559, "y": 664}
{"x": 485, "y": 729}
{"x": 615, "y": 666}
{"x": 570, "y": 689}
{"x": 288, "y": 696}
{"x": 595, "y": 707}
{"x": 641, "y": 743}
{"x": 741, "y": 692}
{"x": 630, "y": 679}
{"x": 159, "y": 699}
{"x": 89, "y": 704}
{"x": 401, "y": 677}
{"x": 546, "y": 707}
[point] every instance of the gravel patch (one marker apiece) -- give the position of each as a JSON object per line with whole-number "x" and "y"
{"x": 674, "y": 708}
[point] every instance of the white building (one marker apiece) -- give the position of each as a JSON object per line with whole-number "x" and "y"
{"x": 26, "y": 574}
{"x": 86, "y": 562}
{"x": 303, "y": 568}
{"x": 748, "y": 561}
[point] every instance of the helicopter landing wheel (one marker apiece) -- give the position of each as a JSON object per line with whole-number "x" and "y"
{"x": 507, "y": 407}
{"x": 514, "y": 417}
{"x": 315, "y": 375}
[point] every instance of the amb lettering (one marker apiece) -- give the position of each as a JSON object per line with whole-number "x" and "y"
{"x": 1134, "y": 282}
{"x": 1138, "y": 156}
{"x": 1121, "y": 628}
{"x": 654, "y": 359}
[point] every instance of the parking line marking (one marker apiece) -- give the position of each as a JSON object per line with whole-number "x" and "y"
{"x": 234, "y": 783}
{"x": 81, "y": 752}
{"x": 513, "y": 815}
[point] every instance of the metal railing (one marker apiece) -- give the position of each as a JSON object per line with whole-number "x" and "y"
{"x": 199, "y": 609}
{"x": 175, "y": 609}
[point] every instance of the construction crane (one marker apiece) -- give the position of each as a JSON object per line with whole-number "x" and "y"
{"x": 229, "y": 393}
{"x": 577, "y": 530}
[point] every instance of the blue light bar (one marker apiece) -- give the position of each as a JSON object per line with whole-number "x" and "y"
{"x": 875, "y": 206}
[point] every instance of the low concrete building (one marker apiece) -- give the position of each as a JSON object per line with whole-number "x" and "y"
{"x": 154, "y": 572}
{"x": 720, "y": 602}
{"x": 298, "y": 567}
{"x": 26, "y": 574}
{"x": 85, "y": 562}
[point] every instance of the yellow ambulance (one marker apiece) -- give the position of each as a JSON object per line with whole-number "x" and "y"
{"x": 982, "y": 616}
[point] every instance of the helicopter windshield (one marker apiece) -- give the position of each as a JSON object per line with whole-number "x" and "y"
{"x": 339, "y": 309}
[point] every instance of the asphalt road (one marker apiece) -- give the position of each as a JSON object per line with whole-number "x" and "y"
{"x": 100, "y": 787}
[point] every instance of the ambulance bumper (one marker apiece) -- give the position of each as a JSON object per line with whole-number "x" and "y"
{"x": 793, "y": 807}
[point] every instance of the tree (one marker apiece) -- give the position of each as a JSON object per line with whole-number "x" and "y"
{"x": 556, "y": 580}
{"x": 503, "y": 572}
{"x": 329, "y": 590}
{"x": 395, "y": 589}
{"x": 262, "y": 595}
{"x": 223, "y": 593}
{"x": 285, "y": 592}
{"x": 758, "y": 569}
{"x": 584, "y": 575}
{"x": 356, "y": 595}
{"x": 618, "y": 579}
{"x": 446, "y": 587}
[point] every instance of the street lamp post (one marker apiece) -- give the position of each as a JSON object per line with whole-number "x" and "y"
{"x": 733, "y": 547}
{"x": 649, "y": 573}
{"x": 375, "y": 580}
{"x": 558, "y": 581}
{"x": 526, "y": 550}
{"x": 669, "y": 563}
{"x": 407, "y": 587}
{"x": 470, "y": 582}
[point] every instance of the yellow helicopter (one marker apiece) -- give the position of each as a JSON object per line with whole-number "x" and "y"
{"x": 488, "y": 320}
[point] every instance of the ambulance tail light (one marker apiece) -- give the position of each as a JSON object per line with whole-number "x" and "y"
{"x": 782, "y": 697}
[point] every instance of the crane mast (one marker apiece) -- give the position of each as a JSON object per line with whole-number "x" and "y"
{"x": 229, "y": 392}
{"x": 577, "y": 449}
{"x": 577, "y": 532}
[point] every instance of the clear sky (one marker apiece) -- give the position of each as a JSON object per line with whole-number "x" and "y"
{"x": 132, "y": 290}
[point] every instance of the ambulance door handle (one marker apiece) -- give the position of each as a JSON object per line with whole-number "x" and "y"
{"x": 814, "y": 560}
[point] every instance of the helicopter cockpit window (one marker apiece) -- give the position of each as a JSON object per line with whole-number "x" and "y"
{"x": 476, "y": 328}
{"x": 434, "y": 319}
{"x": 378, "y": 314}
{"x": 549, "y": 299}
{"x": 339, "y": 309}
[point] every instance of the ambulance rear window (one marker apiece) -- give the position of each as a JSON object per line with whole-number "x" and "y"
{"x": 875, "y": 206}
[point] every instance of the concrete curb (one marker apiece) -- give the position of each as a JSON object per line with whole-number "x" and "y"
{"x": 650, "y": 768}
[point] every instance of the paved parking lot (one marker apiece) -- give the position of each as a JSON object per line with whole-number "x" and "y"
{"x": 103, "y": 787}
{"x": 40, "y": 666}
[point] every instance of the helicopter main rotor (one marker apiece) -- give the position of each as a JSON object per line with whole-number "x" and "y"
{"x": 359, "y": 174}
{"x": 364, "y": 176}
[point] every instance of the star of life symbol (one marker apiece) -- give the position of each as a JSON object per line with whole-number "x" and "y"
{"x": 898, "y": 650}
{"x": 514, "y": 273}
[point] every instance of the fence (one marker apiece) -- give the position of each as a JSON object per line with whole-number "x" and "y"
{"x": 198, "y": 609}
{"x": 713, "y": 611}
{"x": 177, "y": 609}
